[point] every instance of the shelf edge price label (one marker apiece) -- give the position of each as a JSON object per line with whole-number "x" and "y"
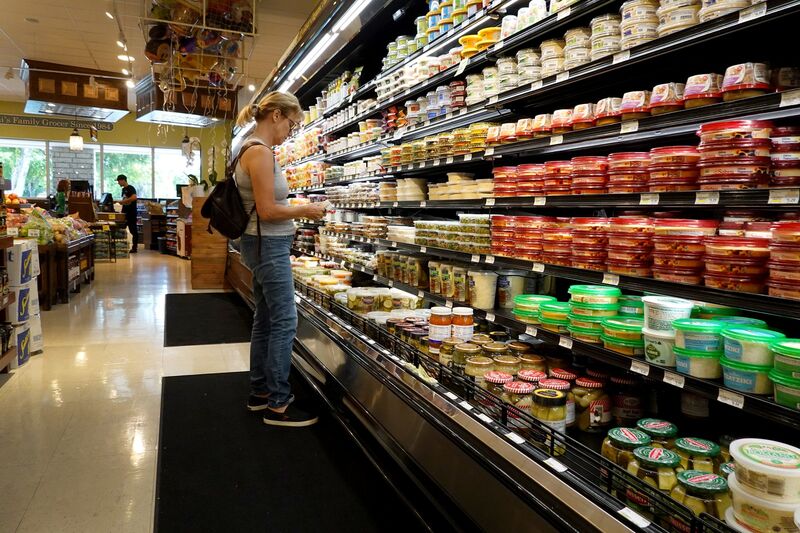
{"x": 296, "y": 299}
{"x": 467, "y": 157}
{"x": 634, "y": 517}
{"x": 423, "y": 204}
{"x": 485, "y": 418}
{"x": 789, "y": 98}
{"x": 731, "y": 398}
{"x": 489, "y": 152}
{"x": 394, "y": 245}
{"x": 437, "y": 162}
{"x": 462, "y": 66}
{"x": 420, "y": 294}
{"x": 489, "y": 202}
{"x": 706, "y": 198}
{"x": 784, "y": 196}
{"x": 498, "y": 45}
{"x": 537, "y": 267}
{"x": 449, "y": 303}
{"x": 423, "y": 249}
{"x": 629, "y": 126}
{"x": 556, "y": 140}
{"x": 449, "y": 160}
{"x": 492, "y": 100}
{"x": 540, "y": 200}
{"x": 555, "y": 464}
{"x": 621, "y": 57}
{"x": 375, "y": 277}
{"x": 535, "y": 86}
{"x": 753, "y": 12}
{"x": 640, "y": 368}
{"x": 398, "y": 134}
{"x": 513, "y": 437}
{"x": 610, "y": 279}
{"x": 562, "y": 76}
{"x": 476, "y": 258}
{"x": 565, "y": 342}
{"x": 422, "y": 164}
{"x": 651, "y": 198}
{"x": 463, "y": 111}
{"x": 391, "y": 283}
{"x": 33, "y": 233}
{"x": 490, "y": 317}
{"x": 395, "y": 204}
{"x": 370, "y": 341}
{"x": 106, "y": 228}
{"x": 451, "y": 395}
{"x": 489, "y": 260}
{"x": 466, "y": 406}
{"x": 531, "y": 330}
{"x": 564, "y": 13}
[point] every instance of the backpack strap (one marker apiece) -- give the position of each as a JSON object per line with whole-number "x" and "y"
{"x": 232, "y": 174}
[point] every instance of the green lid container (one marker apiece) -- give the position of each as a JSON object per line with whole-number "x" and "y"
{"x": 597, "y": 307}
{"x": 623, "y": 342}
{"x": 630, "y": 438}
{"x": 626, "y": 324}
{"x": 657, "y": 428}
{"x": 553, "y": 322}
{"x": 526, "y": 316}
{"x": 574, "y": 330}
{"x": 531, "y": 302}
{"x": 787, "y": 389}
{"x": 694, "y": 353}
{"x": 697, "y": 325}
{"x": 711, "y": 311}
{"x": 555, "y": 307}
{"x": 630, "y": 305}
{"x": 752, "y": 334}
{"x": 693, "y": 446}
{"x": 742, "y": 321}
{"x": 596, "y": 322}
{"x": 595, "y": 293}
{"x": 657, "y": 457}
{"x": 787, "y": 357}
{"x": 699, "y": 482}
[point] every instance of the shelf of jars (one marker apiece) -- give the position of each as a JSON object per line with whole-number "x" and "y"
{"x": 759, "y": 303}
{"x": 761, "y": 406}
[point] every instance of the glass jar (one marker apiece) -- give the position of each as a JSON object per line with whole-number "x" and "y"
{"x": 499, "y": 336}
{"x": 563, "y": 386}
{"x": 662, "y": 433}
{"x": 698, "y": 454}
{"x": 447, "y": 351}
{"x": 627, "y": 400}
{"x": 518, "y": 348}
{"x": 531, "y": 361}
{"x": 463, "y": 323}
{"x": 619, "y": 444}
{"x": 592, "y": 405}
{"x": 440, "y": 323}
{"x": 531, "y": 376}
{"x": 461, "y": 353}
{"x": 476, "y": 369}
{"x": 494, "y": 382}
{"x": 549, "y": 407}
{"x": 702, "y": 493}
{"x": 495, "y": 349}
{"x": 519, "y": 395}
{"x": 658, "y": 468}
{"x": 505, "y": 363}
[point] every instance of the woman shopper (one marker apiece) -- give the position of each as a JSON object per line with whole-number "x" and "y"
{"x": 261, "y": 182}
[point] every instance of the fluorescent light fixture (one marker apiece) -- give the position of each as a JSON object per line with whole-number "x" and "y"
{"x": 313, "y": 55}
{"x": 125, "y": 57}
{"x": 285, "y": 86}
{"x": 109, "y": 15}
{"x": 350, "y": 15}
{"x": 75, "y": 141}
{"x": 120, "y": 44}
{"x": 50, "y": 104}
{"x": 126, "y": 72}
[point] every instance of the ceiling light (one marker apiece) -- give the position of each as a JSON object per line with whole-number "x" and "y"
{"x": 50, "y": 104}
{"x": 251, "y": 87}
{"x": 124, "y": 57}
{"x": 120, "y": 44}
{"x": 130, "y": 84}
{"x": 48, "y": 110}
{"x": 351, "y": 14}
{"x": 312, "y": 56}
{"x": 75, "y": 141}
{"x": 109, "y": 15}
{"x": 126, "y": 72}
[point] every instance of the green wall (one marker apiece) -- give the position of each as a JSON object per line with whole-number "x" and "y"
{"x": 129, "y": 132}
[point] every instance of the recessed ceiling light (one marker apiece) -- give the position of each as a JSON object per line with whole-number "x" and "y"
{"x": 251, "y": 88}
{"x": 129, "y": 84}
{"x": 32, "y": 20}
{"x": 126, "y": 72}
{"x": 109, "y": 15}
{"x": 120, "y": 44}
{"x": 123, "y": 57}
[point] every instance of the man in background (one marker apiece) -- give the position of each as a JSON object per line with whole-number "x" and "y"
{"x": 128, "y": 203}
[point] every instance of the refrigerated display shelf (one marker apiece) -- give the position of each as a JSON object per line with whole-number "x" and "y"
{"x": 759, "y": 406}
{"x": 320, "y": 156}
{"x": 759, "y": 303}
{"x": 361, "y": 91}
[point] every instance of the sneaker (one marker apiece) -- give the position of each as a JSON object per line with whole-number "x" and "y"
{"x": 256, "y": 403}
{"x": 134, "y": 251}
{"x": 293, "y": 417}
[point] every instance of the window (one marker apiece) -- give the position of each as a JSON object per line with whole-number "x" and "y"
{"x": 65, "y": 164}
{"x": 171, "y": 169}
{"x": 25, "y": 165}
{"x": 134, "y": 162}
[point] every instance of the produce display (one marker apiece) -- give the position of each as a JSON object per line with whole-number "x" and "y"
{"x": 37, "y": 224}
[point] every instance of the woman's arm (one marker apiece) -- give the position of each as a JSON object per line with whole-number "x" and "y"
{"x": 260, "y": 166}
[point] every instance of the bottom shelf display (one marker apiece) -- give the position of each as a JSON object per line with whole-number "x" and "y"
{"x": 664, "y": 452}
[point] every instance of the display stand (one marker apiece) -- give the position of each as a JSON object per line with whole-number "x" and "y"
{"x": 5, "y": 300}
{"x": 47, "y": 276}
{"x": 209, "y": 252}
{"x": 74, "y": 265}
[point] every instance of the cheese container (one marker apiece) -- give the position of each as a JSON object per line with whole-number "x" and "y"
{"x": 767, "y": 469}
{"x": 758, "y": 514}
{"x": 658, "y": 347}
{"x": 698, "y": 364}
{"x": 742, "y": 377}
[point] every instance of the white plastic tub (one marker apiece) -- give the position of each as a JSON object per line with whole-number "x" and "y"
{"x": 768, "y": 469}
{"x": 658, "y": 347}
{"x": 758, "y": 514}
{"x": 661, "y": 311}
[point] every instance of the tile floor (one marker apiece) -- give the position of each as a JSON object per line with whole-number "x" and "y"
{"x": 79, "y": 423}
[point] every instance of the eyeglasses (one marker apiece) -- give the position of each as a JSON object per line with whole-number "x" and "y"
{"x": 293, "y": 126}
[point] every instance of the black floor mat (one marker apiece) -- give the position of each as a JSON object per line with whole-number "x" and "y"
{"x": 213, "y": 318}
{"x": 221, "y": 469}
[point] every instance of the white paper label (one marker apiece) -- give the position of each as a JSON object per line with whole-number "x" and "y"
{"x": 649, "y": 199}
{"x": 784, "y": 196}
{"x": 463, "y": 111}
{"x": 492, "y": 100}
{"x": 395, "y": 204}
{"x": 535, "y": 86}
{"x": 468, "y": 157}
{"x": 391, "y": 283}
{"x": 753, "y": 12}
{"x": 489, "y": 260}
{"x": 540, "y": 200}
{"x": 466, "y": 406}
{"x": 564, "y": 13}
{"x": 437, "y": 162}
{"x": 790, "y": 98}
{"x": 621, "y": 57}
{"x": 420, "y": 294}
{"x": 370, "y": 341}
{"x": 33, "y": 233}
{"x": 398, "y": 134}
{"x": 423, "y": 164}
{"x": 634, "y": 517}
{"x": 12, "y": 232}
{"x": 423, "y": 204}
{"x": 498, "y": 45}
{"x": 451, "y": 395}
{"x": 489, "y": 202}
{"x": 462, "y": 66}
{"x": 610, "y": 279}
{"x": 556, "y": 139}
{"x": 562, "y": 76}
{"x": 565, "y": 342}
{"x": 640, "y": 368}
{"x": 537, "y": 267}
{"x": 448, "y": 115}
{"x": 449, "y": 160}
{"x": 296, "y": 299}
{"x": 532, "y": 331}
{"x": 706, "y": 198}
{"x": 490, "y": 317}
{"x": 394, "y": 245}
{"x": 630, "y": 126}
{"x": 485, "y": 418}
{"x": 476, "y": 258}
{"x": 513, "y": 437}
{"x": 489, "y": 152}
{"x": 731, "y": 398}
{"x": 449, "y": 303}
{"x": 555, "y": 464}
{"x": 423, "y": 249}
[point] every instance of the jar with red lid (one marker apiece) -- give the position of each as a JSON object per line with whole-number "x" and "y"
{"x": 607, "y": 111}
{"x": 627, "y": 400}
{"x": 635, "y": 105}
{"x": 564, "y": 386}
{"x": 683, "y": 226}
{"x": 593, "y": 407}
{"x": 702, "y": 89}
{"x": 638, "y": 225}
{"x": 583, "y": 116}
{"x": 689, "y": 276}
{"x": 518, "y": 395}
{"x": 493, "y": 382}
{"x": 641, "y": 269}
{"x": 735, "y": 129}
{"x": 626, "y": 161}
{"x": 745, "y": 80}
{"x": 673, "y": 155}
{"x": 562, "y": 121}
{"x": 542, "y": 125}
{"x": 666, "y": 97}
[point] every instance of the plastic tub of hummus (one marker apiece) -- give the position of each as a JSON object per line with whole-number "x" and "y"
{"x": 594, "y": 294}
{"x": 758, "y": 514}
{"x": 698, "y": 364}
{"x": 750, "y": 345}
{"x": 768, "y": 469}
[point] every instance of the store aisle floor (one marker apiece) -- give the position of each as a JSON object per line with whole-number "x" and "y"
{"x": 79, "y": 423}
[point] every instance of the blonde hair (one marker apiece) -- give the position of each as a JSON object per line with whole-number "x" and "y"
{"x": 286, "y": 103}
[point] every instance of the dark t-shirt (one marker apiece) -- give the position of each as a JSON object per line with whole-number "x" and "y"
{"x": 127, "y": 192}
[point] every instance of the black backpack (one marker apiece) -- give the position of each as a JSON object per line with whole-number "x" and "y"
{"x": 224, "y": 209}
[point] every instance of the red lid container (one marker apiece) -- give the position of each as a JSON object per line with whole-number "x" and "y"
{"x": 555, "y": 168}
{"x": 642, "y": 270}
{"x": 784, "y": 289}
{"x": 679, "y": 275}
{"x": 671, "y": 186}
{"x": 751, "y": 284}
{"x": 629, "y": 255}
{"x": 591, "y": 164}
{"x": 625, "y": 189}
{"x": 628, "y": 160}
{"x": 589, "y": 238}
{"x": 594, "y": 180}
{"x": 588, "y": 264}
{"x": 583, "y": 190}
{"x": 629, "y": 177}
{"x": 735, "y": 129}
{"x": 674, "y": 155}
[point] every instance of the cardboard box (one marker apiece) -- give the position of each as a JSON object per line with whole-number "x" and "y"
{"x": 20, "y": 310}
{"x": 19, "y": 261}
{"x": 37, "y": 339}
{"x": 22, "y": 340}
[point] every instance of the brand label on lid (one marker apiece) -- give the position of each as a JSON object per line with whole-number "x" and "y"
{"x": 772, "y": 455}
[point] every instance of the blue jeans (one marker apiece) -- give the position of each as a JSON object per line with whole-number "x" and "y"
{"x": 275, "y": 320}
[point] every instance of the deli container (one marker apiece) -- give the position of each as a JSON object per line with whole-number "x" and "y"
{"x": 750, "y": 345}
{"x": 767, "y": 469}
{"x": 698, "y": 364}
{"x": 752, "y": 379}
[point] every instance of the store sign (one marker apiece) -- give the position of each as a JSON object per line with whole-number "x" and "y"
{"x": 47, "y": 122}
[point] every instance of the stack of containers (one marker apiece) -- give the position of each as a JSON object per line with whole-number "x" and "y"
{"x": 677, "y": 15}
{"x": 735, "y": 154}
{"x": 475, "y": 90}
{"x": 717, "y": 8}
{"x": 784, "y": 265}
{"x": 557, "y": 244}
{"x": 589, "y": 242}
{"x": 589, "y": 175}
{"x": 526, "y": 307}
{"x": 530, "y": 179}
{"x": 530, "y": 234}
{"x": 557, "y": 177}
{"x": 588, "y": 304}
{"x": 553, "y": 316}
{"x": 627, "y": 172}
{"x": 505, "y": 181}
{"x": 673, "y": 168}
{"x": 785, "y": 374}
{"x": 699, "y": 345}
{"x": 630, "y": 243}
{"x": 765, "y": 486}
{"x": 737, "y": 263}
{"x": 606, "y": 35}
{"x": 503, "y": 242}
{"x": 623, "y": 335}
{"x": 577, "y": 47}
{"x": 507, "y": 74}
{"x": 22, "y": 267}
{"x": 680, "y": 245}
{"x": 639, "y": 22}
{"x": 529, "y": 66}
{"x": 785, "y": 157}
{"x": 748, "y": 358}
{"x": 491, "y": 81}
{"x": 552, "y": 57}
{"x": 660, "y": 312}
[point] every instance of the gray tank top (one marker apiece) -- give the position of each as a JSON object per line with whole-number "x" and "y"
{"x": 245, "y": 184}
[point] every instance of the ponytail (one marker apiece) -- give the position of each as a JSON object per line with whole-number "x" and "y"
{"x": 286, "y": 103}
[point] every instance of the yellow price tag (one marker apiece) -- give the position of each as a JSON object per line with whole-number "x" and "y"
{"x": 106, "y": 227}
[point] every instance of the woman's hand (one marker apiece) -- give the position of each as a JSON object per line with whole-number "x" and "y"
{"x": 314, "y": 211}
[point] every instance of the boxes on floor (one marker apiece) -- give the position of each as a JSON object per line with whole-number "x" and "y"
{"x": 22, "y": 340}
{"x": 19, "y": 261}
{"x": 26, "y": 303}
{"x": 37, "y": 338}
